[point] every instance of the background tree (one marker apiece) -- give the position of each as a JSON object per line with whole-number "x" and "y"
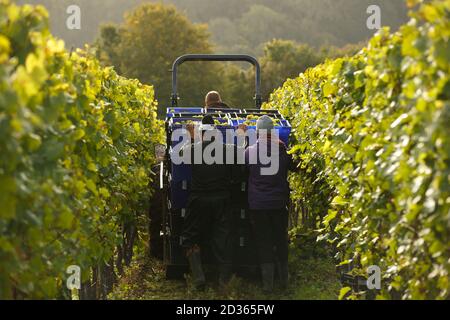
{"x": 261, "y": 24}
{"x": 239, "y": 86}
{"x": 242, "y": 25}
{"x": 286, "y": 59}
{"x": 282, "y": 59}
{"x": 146, "y": 44}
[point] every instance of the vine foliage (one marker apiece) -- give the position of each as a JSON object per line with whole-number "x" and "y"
{"x": 76, "y": 148}
{"x": 372, "y": 136}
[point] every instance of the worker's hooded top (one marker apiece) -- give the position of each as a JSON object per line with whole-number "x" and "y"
{"x": 268, "y": 192}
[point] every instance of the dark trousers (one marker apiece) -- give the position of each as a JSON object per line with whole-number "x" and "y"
{"x": 270, "y": 233}
{"x": 208, "y": 224}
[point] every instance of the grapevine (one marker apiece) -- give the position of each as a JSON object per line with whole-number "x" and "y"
{"x": 372, "y": 138}
{"x": 75, "y": 157}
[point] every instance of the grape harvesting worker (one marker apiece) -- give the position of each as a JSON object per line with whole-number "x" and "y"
{"x": 208, "y": 214}
{"x": 268, "y": 197}
{"x": 213, "y": 100}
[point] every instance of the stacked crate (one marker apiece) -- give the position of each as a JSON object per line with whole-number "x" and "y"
{"x": 244, "y": 253}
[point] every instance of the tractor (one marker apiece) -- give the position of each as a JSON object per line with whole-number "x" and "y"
{"x": 168, "y": 206}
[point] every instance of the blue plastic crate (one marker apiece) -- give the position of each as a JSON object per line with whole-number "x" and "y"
{"x": 237, "y": 122}
{"x": 178, "y": 123}
{"x": 184, "y": 110}
{"x": 181, "y": 172}
{"x": 176, "y": 251}
{"x": 222, "y": 110}
{"x": 262, "y": 111}
{"x": 278, "y": 123}
{"x": 181, "y": 120}
{"x": 176, "y": 117}
{"x": 176, "y": 220}
{"x": 179, "y": 194}
{"x": 281, "y": 125}
{"x": 284, "y": 133}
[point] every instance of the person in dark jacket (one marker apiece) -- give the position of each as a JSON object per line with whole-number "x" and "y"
{"x": 268, "y": 197}
{"x": 213, "y": 100}
{"x": 208, "y": 216}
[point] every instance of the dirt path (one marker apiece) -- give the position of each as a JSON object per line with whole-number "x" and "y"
{"x": 310, "y": 279}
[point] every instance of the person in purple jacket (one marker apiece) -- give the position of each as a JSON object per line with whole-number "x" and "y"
{"x": 268, "y": 197}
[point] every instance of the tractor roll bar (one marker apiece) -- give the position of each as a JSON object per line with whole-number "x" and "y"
{"x": 217, "y": 57}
